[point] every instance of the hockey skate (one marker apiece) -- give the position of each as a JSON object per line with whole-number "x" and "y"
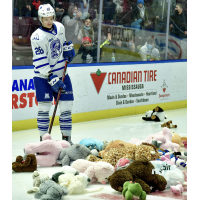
{"x": 67, "y": 138}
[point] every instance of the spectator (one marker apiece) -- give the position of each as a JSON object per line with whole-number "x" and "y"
{"x": 123, "y": 13}
{"x": 72, "y": 23}
{"x": 139, "y": 16}
{"x": 159, "y": 10}
{"x": 148, "y": 52}
{"x": 109, "y": 10}
{"x": 88, "y": 49}
{"x": 22, "y": 8}
{"x": 34, "y": 8}
{"x": 86, "y": 30}
{"x": 58, "y": 9}
{"x": 178, "y": 26}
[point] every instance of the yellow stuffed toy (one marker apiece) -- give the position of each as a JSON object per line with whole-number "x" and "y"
{"x": 176, "y": 138}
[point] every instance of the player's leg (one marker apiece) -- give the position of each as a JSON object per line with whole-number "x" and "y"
{"x": 65, "y": 105}
{"x": 65, "y": 119}
{"x": 44, "y": 95}
{"x": 43, "y": 117}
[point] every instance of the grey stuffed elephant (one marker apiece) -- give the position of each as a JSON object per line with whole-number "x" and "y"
{"x": 70, "y": 154}
{"x": 49, "y": 190}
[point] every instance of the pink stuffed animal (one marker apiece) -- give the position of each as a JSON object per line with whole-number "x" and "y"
{"x": 177, "y": 189}
{"x": 164, "y": 139}
{"x": 48, "y": 150}
{"x": 96, "y": 171}
{"x": 166, "y": 158}
{"x": 122, "y": 163}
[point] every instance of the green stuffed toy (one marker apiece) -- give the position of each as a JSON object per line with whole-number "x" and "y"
{"x": 131, "y": 189}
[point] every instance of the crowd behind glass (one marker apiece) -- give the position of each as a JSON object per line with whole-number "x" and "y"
{"x": 131, "y": 30}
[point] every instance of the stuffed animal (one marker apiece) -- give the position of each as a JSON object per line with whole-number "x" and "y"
{"x": 47, "y": 150}
{"x": 166, "y": 158}
{"x": 97, "y": 172}
{"x": 161, "y": 140}
{"x": 170, "y": 172}
{"x": 75, "y": 152}
{"x": 68, "y": 169}
{"x": 181, "y": 164}
{"x": 184, "y": 140}
{"x": 139, "y": 172}
{"x": 181, "y": 155}
{"x": 92, "y": 143}
{"x": 131, "y": 190}
{"x": 105, "y": 144}
{"x": 123, "y": 163}
{"x": 168, "y": 124}
{"x": 177, "y": 189}
{"x": 140, "y": 152}
{"x": 49, "y": 190}
{"x": 27, "y": 165}
{"x": 176, "y": 138}
{"x": 156, "y": 115}
{"x": 37, "y": 180}
{"x": 114, "y": 144}
{"x": 77, "y": 184}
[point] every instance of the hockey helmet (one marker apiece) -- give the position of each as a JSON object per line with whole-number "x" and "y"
{"x": 46, "y": 10}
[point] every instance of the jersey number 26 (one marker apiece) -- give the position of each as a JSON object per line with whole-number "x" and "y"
{"x": 39, "y": 51}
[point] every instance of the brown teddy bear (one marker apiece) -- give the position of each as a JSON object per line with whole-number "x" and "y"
{"x": 169, "y": 124}
{"x": 115, "y": 144}
{"x": 139, "y": 172}
{"x": 141, "y": 152}
{"x": 29, "y": 165}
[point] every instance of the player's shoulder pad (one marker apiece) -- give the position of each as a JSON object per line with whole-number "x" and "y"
{"x": 59, "y": 25}
{"x": 37, "y": 35}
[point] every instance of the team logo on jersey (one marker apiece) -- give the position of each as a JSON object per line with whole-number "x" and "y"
{"x": 46, "y": 96}
{"x": 36, "y": 37}
{"x": 55, "y": 49}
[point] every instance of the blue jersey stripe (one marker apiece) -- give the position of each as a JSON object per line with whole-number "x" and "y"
{"x": 57, "y": 63}
{"x": 58, "y": 69}
{"x": 42, "y": 65}
{"x": 40, "y": 58}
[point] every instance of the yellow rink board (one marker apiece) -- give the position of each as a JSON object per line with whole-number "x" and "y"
{"x": 102, "y": 114}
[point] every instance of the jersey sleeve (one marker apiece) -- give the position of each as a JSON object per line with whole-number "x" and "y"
{"x": 40, "y": 52}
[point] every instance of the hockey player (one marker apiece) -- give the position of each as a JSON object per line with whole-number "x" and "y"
{"x": 50, "y": 52}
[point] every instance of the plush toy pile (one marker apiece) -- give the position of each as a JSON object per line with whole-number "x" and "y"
{"x": 135, "y": 168}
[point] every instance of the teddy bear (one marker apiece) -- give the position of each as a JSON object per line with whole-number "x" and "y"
{"x": 70, "y": 154}
{"x": 27, "y": 165}
{"x": 92, "y": 143}
{"x": 37, "y": 180}
{"x": 77, "y": 184}
{"x": 51, "y": 190}
{"x": 97, "y": 172}
{"x": 180, "y": 163}
{"x": 184, "y": 141}
{"x": 47, "y": 150}
{"x": 140, "y": 152}
{"x": 156, "y": 115}
{"x": 168, "y": 124}
{"x": 139, "y": 172}
{"x": 162, "y": 139}
{"x": 133, "y": 189}
{"x": 114, "y": 144}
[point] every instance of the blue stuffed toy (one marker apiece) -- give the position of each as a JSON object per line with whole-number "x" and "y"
{"x": 92, "y": 143}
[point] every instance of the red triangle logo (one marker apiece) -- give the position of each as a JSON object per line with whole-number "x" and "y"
{"x": 98, "y": 79}
{"x": 164, "y": 90}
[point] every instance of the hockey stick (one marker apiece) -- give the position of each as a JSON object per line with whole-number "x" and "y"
{"x": 58, "y": 97}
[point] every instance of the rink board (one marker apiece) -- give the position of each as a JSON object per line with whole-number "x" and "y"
{"x": 105, "y": 91}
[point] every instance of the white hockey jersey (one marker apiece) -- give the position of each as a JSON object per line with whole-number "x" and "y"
{"x": 47, "y": 47}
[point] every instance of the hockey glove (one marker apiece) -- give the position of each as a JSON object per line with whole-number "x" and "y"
{"x": 56, "y": 83}
{"x": 68, "y": 51}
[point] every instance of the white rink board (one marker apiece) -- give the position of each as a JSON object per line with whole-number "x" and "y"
{"x": 169, "y": 84}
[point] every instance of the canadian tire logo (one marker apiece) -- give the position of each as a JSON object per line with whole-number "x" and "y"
{"x": 164, "y": 86}
{"x": 98, "y": 79}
